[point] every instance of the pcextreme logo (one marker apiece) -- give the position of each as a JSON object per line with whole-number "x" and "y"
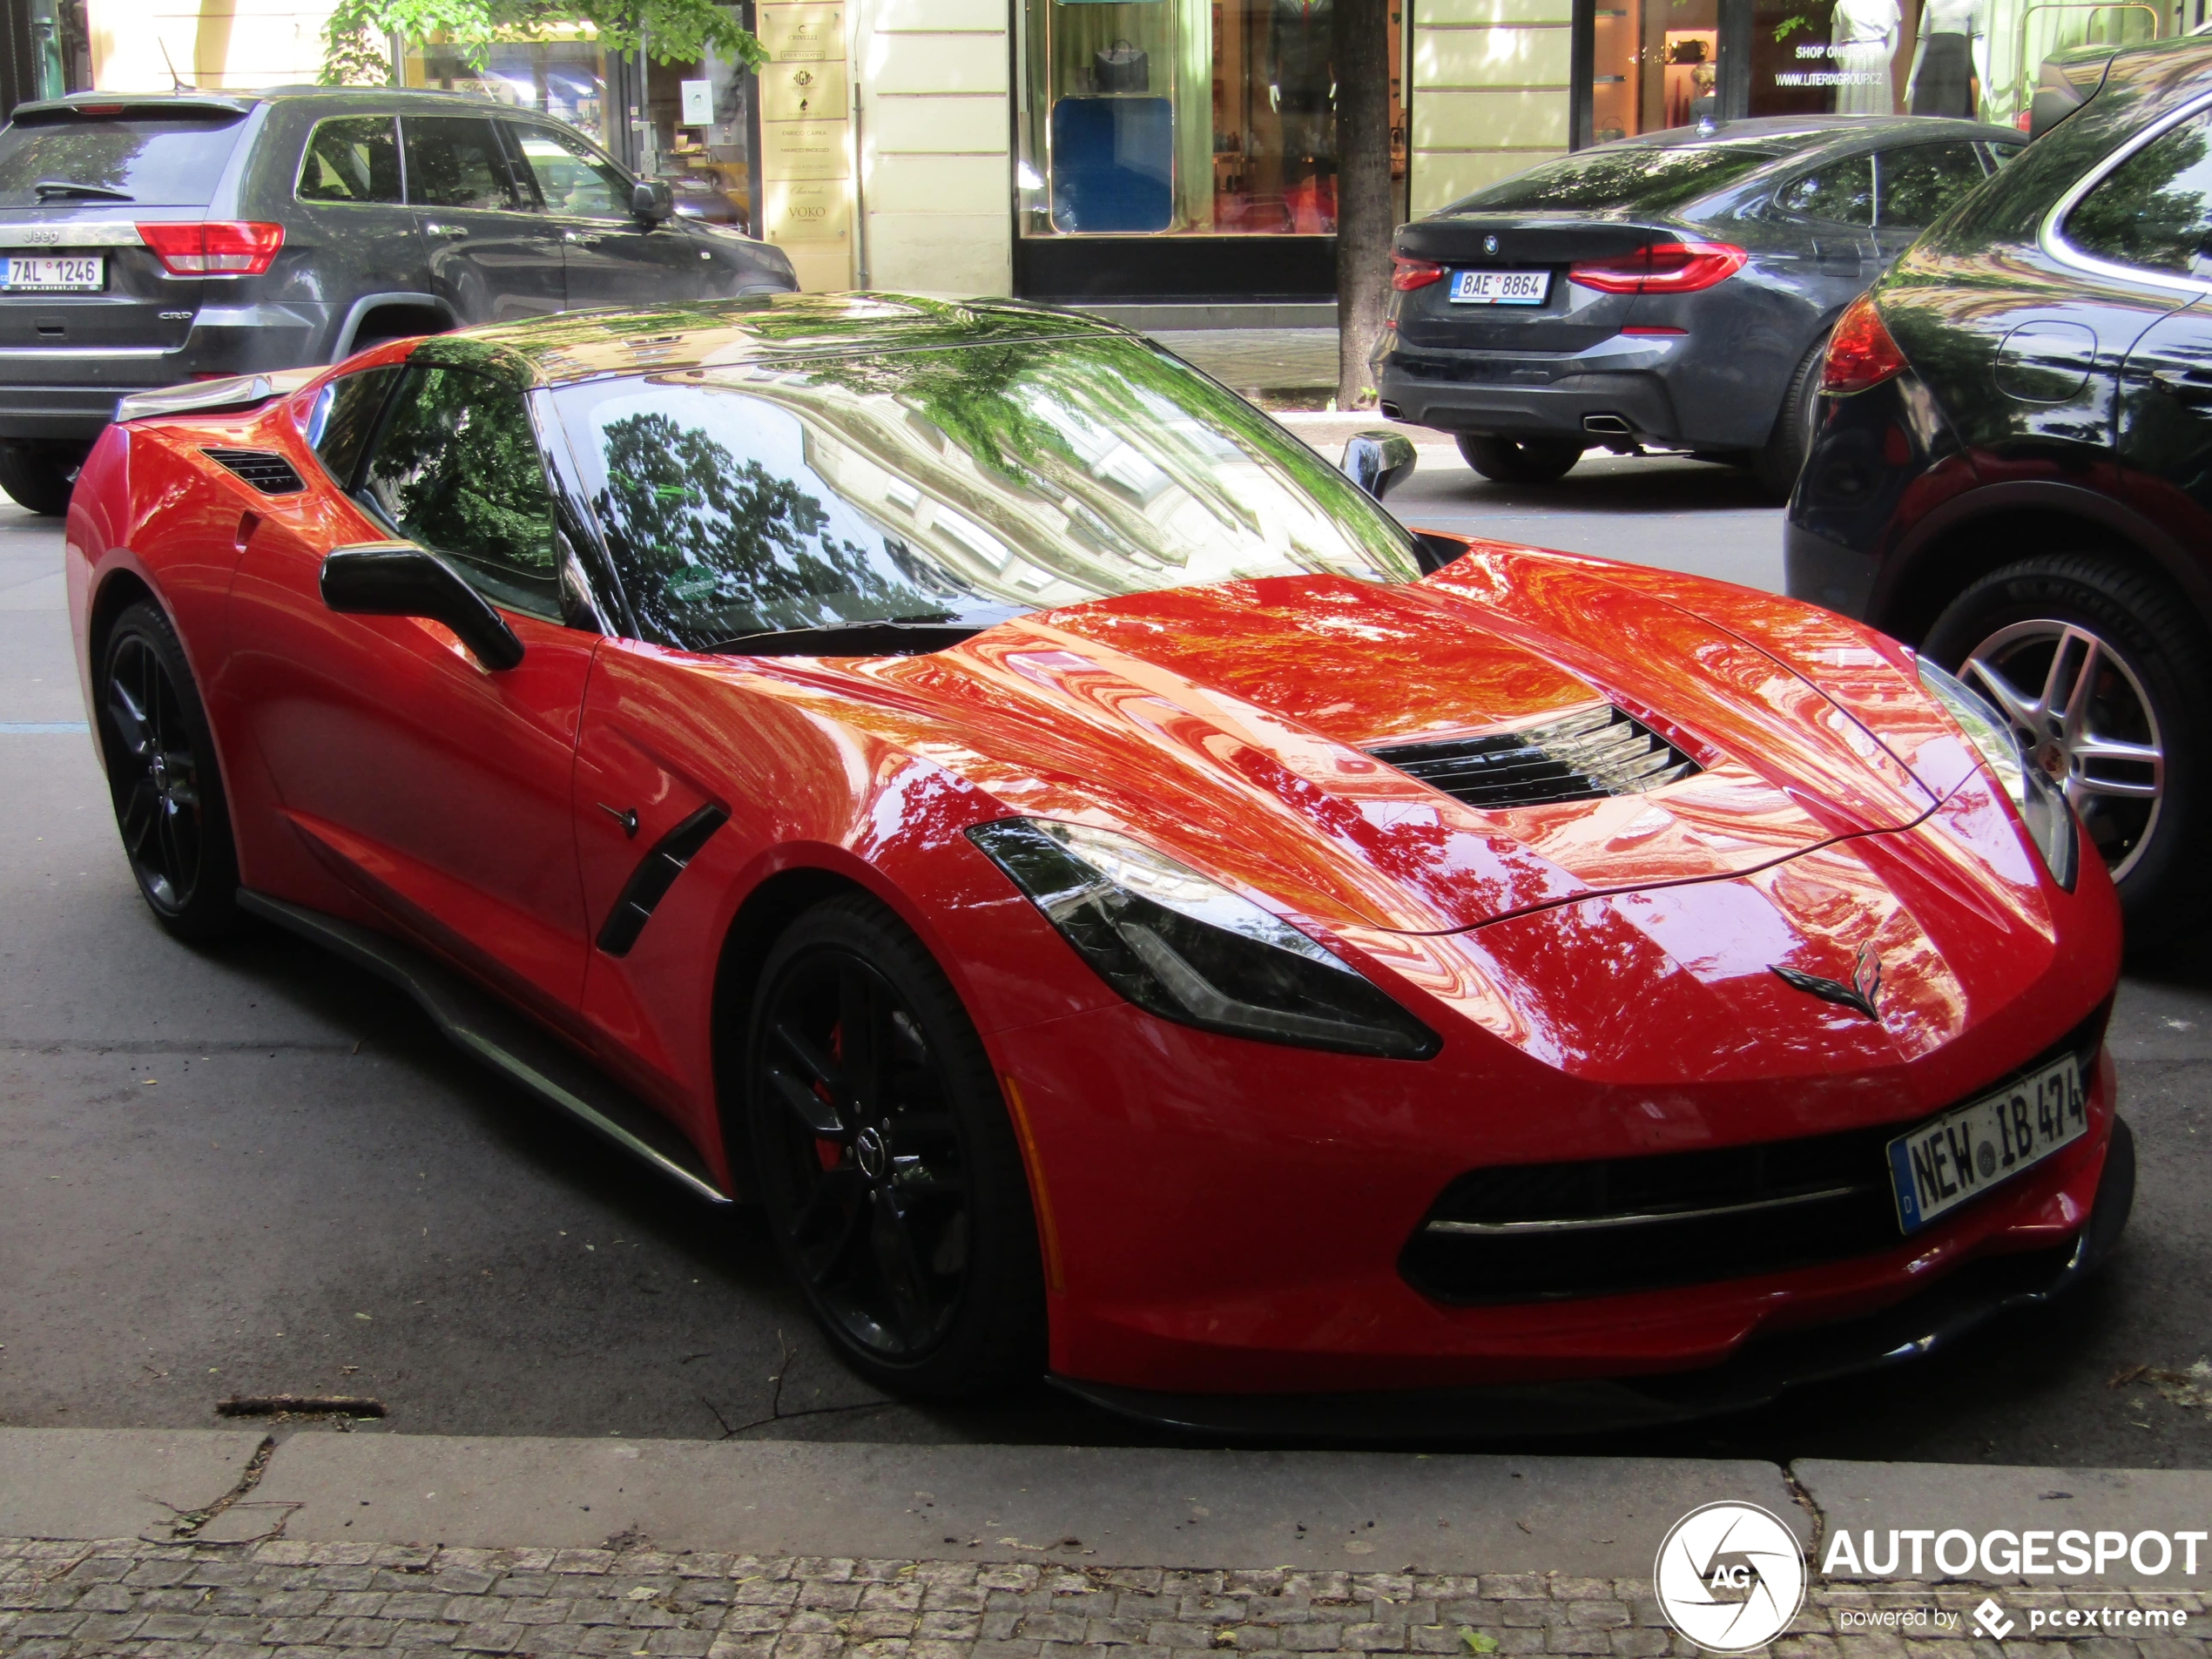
{"x": 1729, "y": 1577}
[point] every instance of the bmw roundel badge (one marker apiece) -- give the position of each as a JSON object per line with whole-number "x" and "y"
{"x": 1489, "y": 245}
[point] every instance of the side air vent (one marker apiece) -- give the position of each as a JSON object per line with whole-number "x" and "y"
{"x": 270, "y": 474}
{"x": 1587, "y": 756}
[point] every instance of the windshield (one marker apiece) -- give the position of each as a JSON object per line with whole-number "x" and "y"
{"x": 964, "y": 486}
{"x": 1645, "y": 178}
{"x": 165, "y": 162}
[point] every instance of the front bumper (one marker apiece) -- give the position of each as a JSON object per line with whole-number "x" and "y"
{"x": 1755, "y": 1375}
{"x": 1531, "y": 395}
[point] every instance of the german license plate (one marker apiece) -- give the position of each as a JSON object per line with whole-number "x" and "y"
{"x": 1970, "y": 1149}
{"x": 1499, "y": 287}
{"x": 67, "y": 275}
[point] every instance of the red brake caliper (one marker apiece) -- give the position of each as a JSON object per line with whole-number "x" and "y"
{"x": 831, "y": 1153}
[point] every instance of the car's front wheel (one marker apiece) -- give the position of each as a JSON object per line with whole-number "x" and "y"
{"x": 2103, "y": 671}
{"x": 163, "y": 778}
{"x": 1520, "y": 460}
{"x": 886, "y": 1163}
{"x": 39, "y": 477}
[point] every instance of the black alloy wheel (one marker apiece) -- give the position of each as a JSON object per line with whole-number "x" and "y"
{"x": 2106, "y": 677}
{"x": 1520, "y": 460}
{"x": 162, "y": 777}
{"x": 886, "y": 1161}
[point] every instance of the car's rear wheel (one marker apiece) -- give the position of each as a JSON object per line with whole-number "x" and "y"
{"x": 1520, "y": 460}
{"x": 39, "y": 477}
{"x": 1783, "y": 458}
{"x": 163, "y": 778}
{"x": 2104, "y": 673}
{"x": 886, "y": 1163}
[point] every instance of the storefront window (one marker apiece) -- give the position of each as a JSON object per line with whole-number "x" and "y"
{"x": 1191, "y": 117}
{"x": 565, "y": 74}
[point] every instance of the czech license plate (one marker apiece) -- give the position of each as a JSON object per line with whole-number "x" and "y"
{"x": 1500, "y": 287}
{"x": 1970, "y": 1149}
{"x": 67, "y": 275}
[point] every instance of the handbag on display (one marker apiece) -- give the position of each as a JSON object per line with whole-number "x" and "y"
{"x": 1122, "y": 67}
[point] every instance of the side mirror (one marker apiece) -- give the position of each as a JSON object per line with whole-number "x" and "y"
{"x": 651, "y": 200}
{"x": 400, "y": 579}
{"x": 1378, "y": 462}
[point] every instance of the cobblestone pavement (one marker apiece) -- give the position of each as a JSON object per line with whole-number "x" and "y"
{"x": 279, "y": 1600}
{"x": 1260, "y": 360}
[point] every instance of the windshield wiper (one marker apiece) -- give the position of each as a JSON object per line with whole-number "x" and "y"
{"x": 886, "y": 637}
{"x": 46, "y": 187}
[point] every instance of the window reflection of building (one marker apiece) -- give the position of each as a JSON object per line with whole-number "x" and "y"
{"x": 565, "y": 75}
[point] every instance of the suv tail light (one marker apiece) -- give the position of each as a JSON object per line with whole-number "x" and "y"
{"x": 220, "y": 248}
{"x": 1860, "y": 352}
{"x": 1665, "y": 267}
{"x": 1407, "y": 274}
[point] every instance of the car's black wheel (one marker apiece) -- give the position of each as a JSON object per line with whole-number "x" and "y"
{"x": 39, "y": 477}
{"x": 886, "y": 1163}
{"x": 1783, "y": 458}
{"x": 2108, "y": 677}
{"x": 162, "y": 775}
{"x": 1520, "y": 460}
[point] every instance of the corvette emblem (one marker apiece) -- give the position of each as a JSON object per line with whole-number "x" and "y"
{"x": 1866, "y": 984}
{"x": 1489, "y": 245}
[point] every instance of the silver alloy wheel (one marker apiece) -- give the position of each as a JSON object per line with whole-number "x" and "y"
{"x": 2081, "y": 709}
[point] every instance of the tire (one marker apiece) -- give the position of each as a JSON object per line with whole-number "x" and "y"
{"x": 163, "y": 778}
{"x": 900, "y": 1206}
{"x": 1783, "y": 457}
{"x": 39, "y": 477}
{"x": 1520, "y": 460}
{"x": 2150, "y": 687}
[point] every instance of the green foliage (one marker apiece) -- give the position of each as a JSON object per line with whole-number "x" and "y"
{"x": 670, "y": 30}
{"x": 1478, "y": 1643}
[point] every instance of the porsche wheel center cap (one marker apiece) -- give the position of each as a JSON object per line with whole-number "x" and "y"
{"x": 874, "y": 1155}
{"x": 2051, "y": 756}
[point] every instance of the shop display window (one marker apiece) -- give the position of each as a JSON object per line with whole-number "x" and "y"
{"x": 1159, "y": 116}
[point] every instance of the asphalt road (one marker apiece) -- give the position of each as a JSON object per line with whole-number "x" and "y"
{"x": 258, "y": 1170}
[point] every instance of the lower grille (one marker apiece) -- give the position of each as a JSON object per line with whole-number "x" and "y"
{"x": 1605, "y": 1226}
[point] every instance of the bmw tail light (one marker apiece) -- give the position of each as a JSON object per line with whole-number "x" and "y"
{"x": 1665, "y": 267}
{"x": 1407, "y": 274}
{"x": 227, "y": 247}
{"x": 1860, "y": 352}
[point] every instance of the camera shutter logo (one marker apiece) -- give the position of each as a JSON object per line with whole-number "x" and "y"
{"x": 1730, "y": 1576}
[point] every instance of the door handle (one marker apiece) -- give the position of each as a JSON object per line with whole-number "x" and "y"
{"x": 2190, "y": 389}
{"x": 445, "y": 230}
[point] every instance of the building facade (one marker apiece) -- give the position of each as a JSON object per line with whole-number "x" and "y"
{"x": 1132, "y": 151}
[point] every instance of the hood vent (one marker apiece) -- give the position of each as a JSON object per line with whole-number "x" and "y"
{"x": 270, "y": 474}
{"x": 1588, "y": 755}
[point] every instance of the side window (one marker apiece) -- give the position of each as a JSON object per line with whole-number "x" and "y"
{"x": 1919, "y": 181}
{"x": 2155, "y": 209}
{"x": 457, "y": 468}
{"x": 1842, "y": 192}
{"x": 454, "y": 161}
{"x": 569, "y": 177}
{"x": 355, "y": 159}
{"x": 344, "y": 414}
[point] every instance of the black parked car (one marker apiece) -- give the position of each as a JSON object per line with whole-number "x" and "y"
{"x": 145, "y": 241}
{"x": 1673, "y": 289}
{"x": 2015, "y": 466}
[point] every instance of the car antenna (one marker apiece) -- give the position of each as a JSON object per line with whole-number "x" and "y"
{"x": 177, "y": 82}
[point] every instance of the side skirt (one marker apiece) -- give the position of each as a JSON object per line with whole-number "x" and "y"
{"x": 509, "y": 1044}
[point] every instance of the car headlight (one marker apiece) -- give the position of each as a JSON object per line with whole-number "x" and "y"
{"x": 2041, "y": 803}
{"x": 1188, "y": 949}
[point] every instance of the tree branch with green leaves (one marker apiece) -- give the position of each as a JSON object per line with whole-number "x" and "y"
{"x": 670, "y": 31}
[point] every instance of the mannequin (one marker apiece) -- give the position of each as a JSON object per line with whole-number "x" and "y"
{"x": 1862, "y": 41}
{"x": 1950, "y": 66}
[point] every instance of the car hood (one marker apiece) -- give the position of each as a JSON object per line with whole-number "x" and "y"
{"x": 1232, "y": 726}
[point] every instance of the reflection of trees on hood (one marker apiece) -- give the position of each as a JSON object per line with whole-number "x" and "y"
{"x": 719, "y": 547}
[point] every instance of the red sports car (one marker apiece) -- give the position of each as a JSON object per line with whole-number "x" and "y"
{"x": 1127, "y": 910}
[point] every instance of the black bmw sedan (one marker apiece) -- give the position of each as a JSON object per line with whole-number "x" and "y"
{"x": 1673, "y": 290}
{"x": 2014, "y": 466}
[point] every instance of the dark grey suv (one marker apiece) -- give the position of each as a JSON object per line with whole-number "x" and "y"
{"x": 145, "y": 241}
